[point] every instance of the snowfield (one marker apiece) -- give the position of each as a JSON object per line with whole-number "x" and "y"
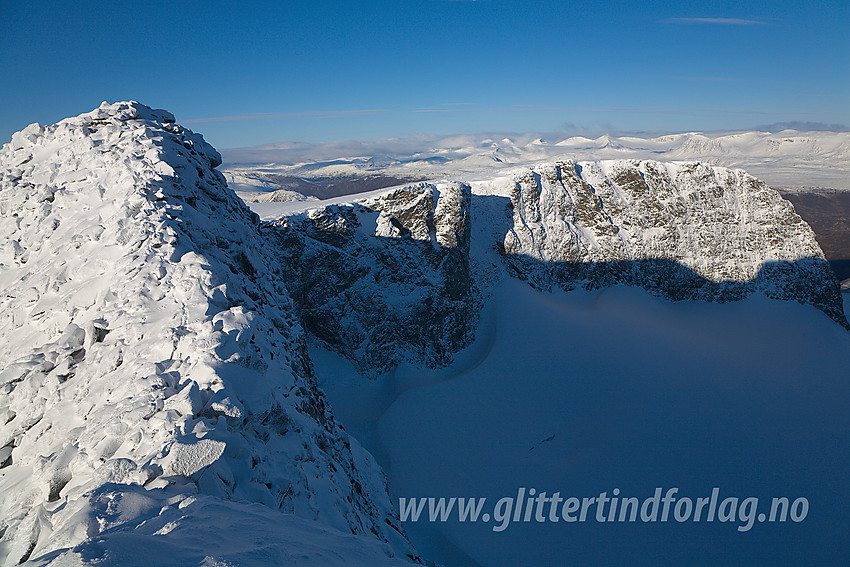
{"x": 586, "y": 392}
{"x": 186, "y": 382}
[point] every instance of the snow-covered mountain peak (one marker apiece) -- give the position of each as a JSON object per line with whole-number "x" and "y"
{"x": 123, "y": 111}
{"x": 150, "y": 349}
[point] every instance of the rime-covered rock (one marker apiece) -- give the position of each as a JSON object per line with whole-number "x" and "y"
{"x": 150, "y": 349}
{"x": 385, "y": 279}
{"x": 681, "y": 230}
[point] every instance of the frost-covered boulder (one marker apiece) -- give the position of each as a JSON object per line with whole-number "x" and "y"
{"x": 149, "y": 349}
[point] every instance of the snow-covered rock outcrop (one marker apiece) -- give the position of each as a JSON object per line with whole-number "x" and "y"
{"x": 681, "y": 230}
{"x": 401, "y": 275}
{"x": 385, "y": 279}
{"x": 149, "y": 349}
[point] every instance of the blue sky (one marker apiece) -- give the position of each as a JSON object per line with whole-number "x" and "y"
{"x": 246, "y": 73}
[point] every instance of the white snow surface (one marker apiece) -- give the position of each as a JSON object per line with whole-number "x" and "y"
{"x": 211, "y": 532}
{"x": 150, "y": 352}
{"x": 790, "y": 159}
{"x": 585, "y": 392}
{"x": 253, "y": 189}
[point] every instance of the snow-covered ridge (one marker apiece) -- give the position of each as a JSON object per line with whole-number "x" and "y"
{"x": 150, "y": 350}
{"x": 683, "y": 230}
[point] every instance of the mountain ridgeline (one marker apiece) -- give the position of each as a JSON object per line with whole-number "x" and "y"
{"x": 378, "y": 280}
{"x": 154, "y": 331}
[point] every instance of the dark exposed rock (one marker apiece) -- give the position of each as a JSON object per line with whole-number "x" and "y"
{"x": 387, "y": 279}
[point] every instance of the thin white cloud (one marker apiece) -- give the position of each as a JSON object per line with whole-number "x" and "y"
{"x": 716, "y": 21}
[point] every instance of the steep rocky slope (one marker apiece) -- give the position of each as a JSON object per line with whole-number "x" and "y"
{"x": 385, "y": 279}
{"x": 150, "y": 350}
{"x": 681, "y": 230}
{"x": 374, "y": 281}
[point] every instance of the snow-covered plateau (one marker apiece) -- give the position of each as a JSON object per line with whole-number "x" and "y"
{"x": 187, "y": 381}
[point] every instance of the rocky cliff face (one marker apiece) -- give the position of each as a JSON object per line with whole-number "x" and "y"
{"x": 386, "y": 279}
{"x": 402, "y": 276}
{"x": 681, "y": 230}
{"x": 150, "y": 349}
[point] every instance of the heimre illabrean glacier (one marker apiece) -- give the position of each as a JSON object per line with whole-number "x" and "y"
{"x": 158, "y": 399}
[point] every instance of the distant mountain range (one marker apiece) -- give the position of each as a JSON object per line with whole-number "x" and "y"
{"x": 810, "y": 168}
{"x": 788, "y": 158}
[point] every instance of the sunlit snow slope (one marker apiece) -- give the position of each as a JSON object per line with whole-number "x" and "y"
{"x": 150, "y": 352}
{"x": 587, "y": 392}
